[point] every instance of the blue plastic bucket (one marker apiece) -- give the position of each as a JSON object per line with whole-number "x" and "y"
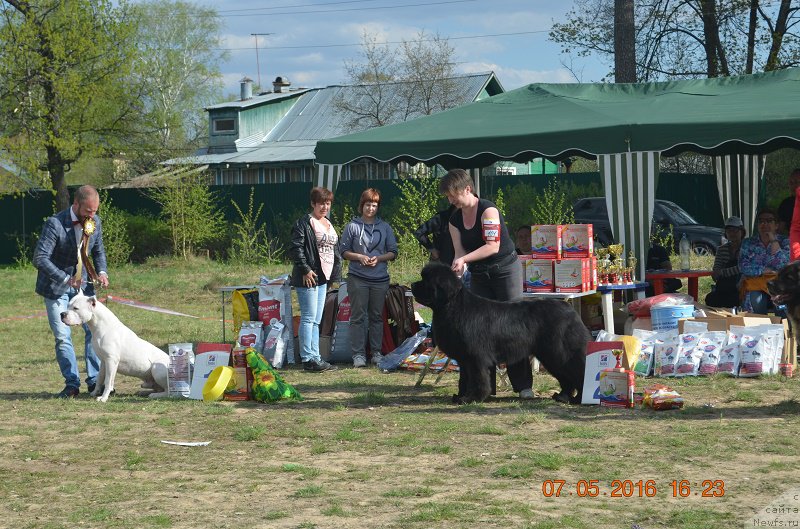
{"x": 665, "y": 317}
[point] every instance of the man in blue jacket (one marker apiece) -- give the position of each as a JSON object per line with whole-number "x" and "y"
{"x": 60, "y": 277}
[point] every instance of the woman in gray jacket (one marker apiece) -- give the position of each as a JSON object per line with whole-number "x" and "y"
{"x": 369, "y": 244}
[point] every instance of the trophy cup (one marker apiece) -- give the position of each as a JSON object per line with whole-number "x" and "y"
{"x": 632, "y": 261}
{"x": 603, "y": 264}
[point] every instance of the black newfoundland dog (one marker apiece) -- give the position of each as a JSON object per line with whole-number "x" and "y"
{"x": 785, "y": 290}
{"x": 479, "y": 332}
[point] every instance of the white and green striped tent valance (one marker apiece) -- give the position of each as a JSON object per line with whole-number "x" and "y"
{"x": 630, "y": 181}
{"x": 328, "y": 176}
{"x": 738, "y": 181}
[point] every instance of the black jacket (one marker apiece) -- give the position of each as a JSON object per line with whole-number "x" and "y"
{"x": 305, "y": 254}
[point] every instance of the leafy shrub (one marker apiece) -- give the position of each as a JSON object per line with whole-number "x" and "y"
{"x": 115, "y": 233}
{"x": 551, "y": 206}
{"x": 250, "y": 243}
{"x": 191, "y": 211}
{"x": 149, "y": 236}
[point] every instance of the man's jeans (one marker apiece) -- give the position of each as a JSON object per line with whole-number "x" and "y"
{"x": 65, "y": 353}
{"x": 312, "y": 304}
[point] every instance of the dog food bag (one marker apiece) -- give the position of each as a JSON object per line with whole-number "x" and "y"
{"x": 243, "y": 376}
{"x": 710, "y": 347}
{"x": 729, "y": 357}
{"x": 665, "y": 357}
{"x": 688, "y": 360}
{"x": 275, "y": 303}
{"x": 179, "y": 373}
{"x": 643, "y": 364}
{"x": 753, "y": 350}
{"x": 275, "y": 345}
{"x": 250, "y": 334}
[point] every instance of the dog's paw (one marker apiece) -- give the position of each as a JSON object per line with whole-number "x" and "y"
{"x": 561, "y": 397}
{"x": 102, "y": 399}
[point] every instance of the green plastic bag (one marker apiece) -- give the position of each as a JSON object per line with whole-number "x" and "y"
{"x": 268, "y": 385}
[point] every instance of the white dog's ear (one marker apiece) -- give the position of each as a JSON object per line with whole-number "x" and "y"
{"x": 93, "y": 300}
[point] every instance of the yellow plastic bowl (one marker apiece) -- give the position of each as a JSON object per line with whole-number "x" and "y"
{"x": 217, "y": 382}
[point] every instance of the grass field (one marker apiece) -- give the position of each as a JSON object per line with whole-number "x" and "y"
{"x": 365, "y": 449}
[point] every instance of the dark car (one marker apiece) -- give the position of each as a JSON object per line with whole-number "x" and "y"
{"x": 666, "y": 215}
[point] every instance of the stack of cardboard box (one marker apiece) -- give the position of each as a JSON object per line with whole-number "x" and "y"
{"x": 560, "y": 259}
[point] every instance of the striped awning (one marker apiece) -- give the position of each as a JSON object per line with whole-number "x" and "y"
{"x": 630, "y": 181}
{"x": 738, "y": 181}
{"x": 328, "y": 176}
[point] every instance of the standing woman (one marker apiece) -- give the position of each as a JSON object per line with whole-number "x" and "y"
{"x": 317, "y": 263}
{"x": 369, "y": 244}
{"x": 481, "y": 239}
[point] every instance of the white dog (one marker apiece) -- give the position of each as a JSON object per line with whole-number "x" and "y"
{"x": 118, "y": 348}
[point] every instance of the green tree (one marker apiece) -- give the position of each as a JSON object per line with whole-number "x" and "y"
{"x": 689, "y": 38}
{"x": 62, "y": 84}
{"x": 177, "y": 74}
{"x": 190, "y": 208}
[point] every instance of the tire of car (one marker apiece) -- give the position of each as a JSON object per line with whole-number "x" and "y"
{"x": 703, "y": 249}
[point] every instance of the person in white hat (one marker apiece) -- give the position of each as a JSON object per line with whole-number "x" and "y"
{"x": 726, "y": 272}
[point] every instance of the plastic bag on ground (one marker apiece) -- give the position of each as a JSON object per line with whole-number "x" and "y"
{"x": 392, "y": 361}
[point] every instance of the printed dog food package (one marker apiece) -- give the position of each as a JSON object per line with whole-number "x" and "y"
{"x": 666, "y": 355}
{"x": 759, "y": 350}
{"x": 546, "y": 241}
{"x": 710, "y": 346}
{"x": 250, "y": 334}
{"x": 538, "y": 275}
{"x": 729, "y": 357}
{"x": 751, "y": 351}
{"x": 242, "y": 375}
{"x": 340, "y": 344}
{"x": 275, "y": 303}
{"x": 643, "y": 363}
{"x": 688, "y": 356}
{"x": 577, "y": 240}
{"x": 179, "y": 373}
{"x": 275, "y": 345}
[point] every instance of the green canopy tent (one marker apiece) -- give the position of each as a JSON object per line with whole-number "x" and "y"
{"x": 626, "y": 127}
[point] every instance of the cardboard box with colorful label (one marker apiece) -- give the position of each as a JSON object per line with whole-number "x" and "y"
{"x": 538, "y": 275}
{"x": 577, "y": 240}
{"x": 546, "y": 241}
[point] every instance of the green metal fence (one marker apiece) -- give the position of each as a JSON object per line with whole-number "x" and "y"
{"x": 25, "y": 215}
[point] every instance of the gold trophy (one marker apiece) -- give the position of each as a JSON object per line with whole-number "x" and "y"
{"x": 632, "y": 261}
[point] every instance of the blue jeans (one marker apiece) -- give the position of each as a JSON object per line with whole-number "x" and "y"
{"x": 312, "y": 304}
{"x": 760, "y": 303}
{"x": 65, "y": 353}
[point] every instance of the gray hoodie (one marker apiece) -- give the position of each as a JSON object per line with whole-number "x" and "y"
{"x": 371, "y": 240}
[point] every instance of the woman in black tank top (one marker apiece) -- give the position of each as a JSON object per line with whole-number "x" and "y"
{"x": 483, "y": 244}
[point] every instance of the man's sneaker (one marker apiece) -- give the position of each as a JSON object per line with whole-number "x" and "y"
{"x": 318, "y": 365}
{"x": 90, "y": 388}
{"x": 359, "y": 361}
{"x": 69, "y": 392}
{"x": 376, "y": 358}
{"x": 526, "y": 394}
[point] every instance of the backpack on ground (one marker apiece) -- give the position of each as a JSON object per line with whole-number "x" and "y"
{"x": 400, "y": 313}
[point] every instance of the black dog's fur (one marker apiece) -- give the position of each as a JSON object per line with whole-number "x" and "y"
{"x": 479, "y": 333}
{"x": 785, "y": 290}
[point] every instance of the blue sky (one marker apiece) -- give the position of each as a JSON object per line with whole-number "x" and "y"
{"x": 310, "y": 39}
